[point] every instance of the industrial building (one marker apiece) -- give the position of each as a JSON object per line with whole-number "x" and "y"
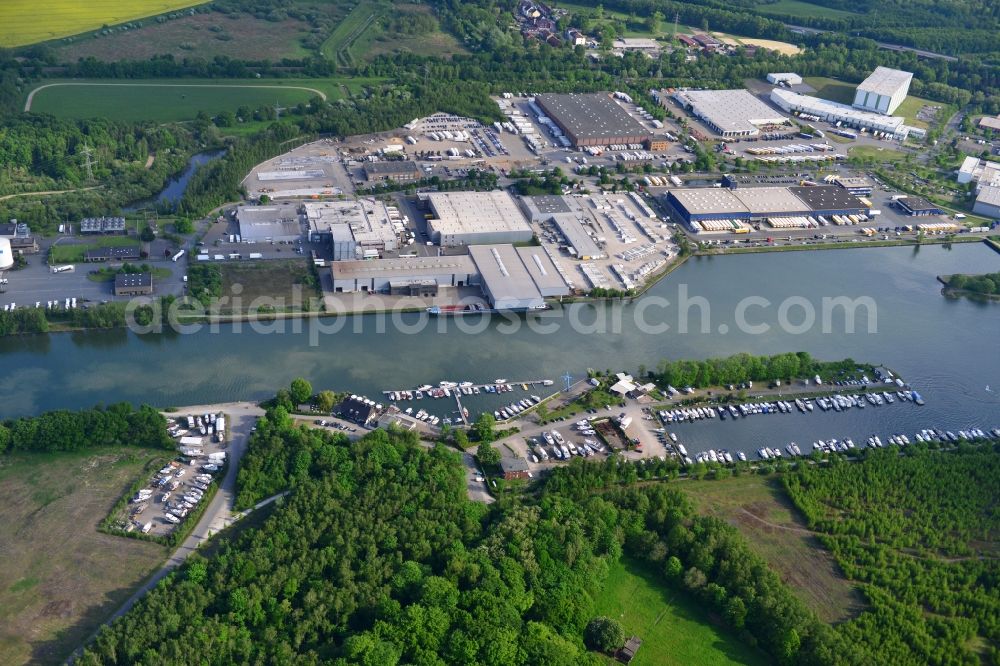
{"x": 990, "y": 123}
{"x": 788, "y": 78}
{"x": 570, "y": 219}
{"x": 133, "y": 284}
{"x": 859, "y": 186}
{"x": 264, "y": 224}
{"x": 883, "y": 91}
{"x": 361, "y": 229}
{"x": 102, "y": 225}
{"x": 734, "y": 113}
{"x": 918, "y": 206}
{"x": 128, "y": 253}
{"x": 400, "y": 171}
{"x": 511, "y": 278}
{"x": 982, "y": 172}
{"x": 475, "y": 218}
{"x": 378, "y": 275}
{"x": 848, "y": 116}
{"x": 988, "y": 202}
{"x": 592, "y": 119}
{"x": 752, "y": 204}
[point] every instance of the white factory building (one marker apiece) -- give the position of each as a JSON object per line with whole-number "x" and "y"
{"x": 883, "y": 91}
{"x": 834, "y": 112}
{"x": 475, "y": 218}
{"x": 986, "y": 176}
{"x": 361, "y": 229}
{"x": 732, "y": 113}
{"x": 788, "y": 78}
{"x": 6, "y": 254}
{"x": 264, "y": 224}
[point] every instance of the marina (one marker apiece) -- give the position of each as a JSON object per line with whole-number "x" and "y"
{"x": 449, "y": 389}
{"x": 949, "y": 362}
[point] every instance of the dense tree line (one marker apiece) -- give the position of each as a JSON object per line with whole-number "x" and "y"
{"x": 116, "y": 425}
{"x": 741, "y": 368}
{"x": 23, "y": 320}
{"x": 988, "y": 284}
{"x": 918, "y": 532}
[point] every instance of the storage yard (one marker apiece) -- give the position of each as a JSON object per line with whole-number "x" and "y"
{"x": 163, "y": 504}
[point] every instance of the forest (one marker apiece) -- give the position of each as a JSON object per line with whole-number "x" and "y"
{"x": 119, "y": 424}
{"x": 919, "y": 532}
{"x": 378, "y": 557}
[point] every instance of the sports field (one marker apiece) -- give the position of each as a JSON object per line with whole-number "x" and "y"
{"x": 28, "y": 21}
{"x": 163, "y": 101}
{"x": 674, "y": 629}
{"x": 61, "y": 577}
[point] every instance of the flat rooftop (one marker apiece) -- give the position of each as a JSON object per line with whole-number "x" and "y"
{"x": 504, "y": 275}
{"x": 412, "y": 267}
{"x": 367, "y": 220}
{"x": 262, "y": 222}
{"x": 549, "y": 204}
{"x": 708, "y": 200}
{"x": 475, "y": 212}
{"x": 731, "y": 110}
{"x": 591, "y": 115}
{"x": 917, "y": 204}
{"x": 391, "y": 167}
{"x": 123, "y": 280}
{"x": 826, "y": 108}
{"x": 760, "y": 200}
{"x": 886, "y": 81}
{"x": 853, "y": 181}
{"x": 827, "y": 197}
{"x": 544, "y": 273}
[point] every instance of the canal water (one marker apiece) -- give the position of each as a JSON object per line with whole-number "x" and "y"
{"x": 175, "y": 187}
{"x": 946, "y": 348}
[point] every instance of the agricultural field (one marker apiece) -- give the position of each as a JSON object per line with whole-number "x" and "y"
{"x": 673, "y": 628}
{"x": 163, "y": 101}
{"x": 21, "y": 22}
{"x": 238, "y": 36}
{"x": 61, "y": 577}
{"x": 758, "y": 508}
{"x": 802, "y": 9}
{"x": 783, "y": 48}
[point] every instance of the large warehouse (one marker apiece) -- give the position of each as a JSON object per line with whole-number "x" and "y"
{"x": 988, "y": 202}
{"x": 883, "y": 91}
{"x": 753, "y": 204}
{"x": 592, "y": 119}
{"x": 511, "y": 278}
{"x": 378, "y": 275}
{"x": 834, "y": 112}
{"x": 263, "y": 224}
{"x": 734, "y": 113}
{"x": 475, "y": 218}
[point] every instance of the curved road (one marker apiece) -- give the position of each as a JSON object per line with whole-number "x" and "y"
{"x": 31, "y": 95}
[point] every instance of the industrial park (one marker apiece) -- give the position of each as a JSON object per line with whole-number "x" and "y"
{"x": 371, "y": 216}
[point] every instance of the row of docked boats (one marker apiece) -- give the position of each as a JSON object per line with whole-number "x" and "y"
{"x": 422, "y": 415}
{"x": 446, "y": 389}
{"x": 559, "y": 448}
{"x": 515, "y": 408}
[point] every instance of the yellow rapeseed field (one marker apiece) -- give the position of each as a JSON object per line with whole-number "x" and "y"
{"x": 29, "y": 21}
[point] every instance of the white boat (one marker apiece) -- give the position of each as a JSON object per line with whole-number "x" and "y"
{"x": 499, "y": 381}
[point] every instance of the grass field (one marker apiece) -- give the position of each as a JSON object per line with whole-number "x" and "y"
{"x": 875, "y": 153}
{"x": 275, "y": 283}
{"x": 757, "y": 506}
{"x": 831, "y": 89}
{"x": 60, "y": 577}
{"x": 166, "y": 101}
{"x": 27, "y": 21}
{"x": 802, "y": 9}
{"x": 338, "y": 46}
{"x": 375, "y": 42}
{"x": 238, "y": 36}
{"x": 70, "y": 254}
{"x": 674, "y": 629}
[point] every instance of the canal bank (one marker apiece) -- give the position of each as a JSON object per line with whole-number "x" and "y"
{"x": 938, "y": 344}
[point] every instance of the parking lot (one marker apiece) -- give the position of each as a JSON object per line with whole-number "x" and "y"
{"x": 176, "y": 489}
